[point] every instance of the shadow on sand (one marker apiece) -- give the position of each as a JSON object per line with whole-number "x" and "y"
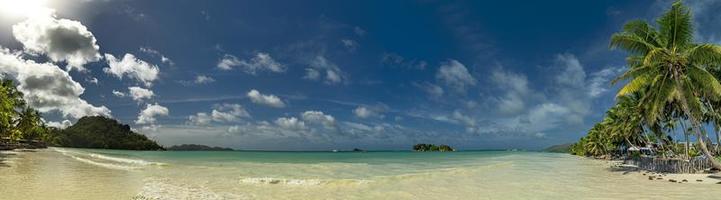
{"x": 624, "y": 169}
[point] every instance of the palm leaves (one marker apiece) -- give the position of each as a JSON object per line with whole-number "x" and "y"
{"x": 669, "y": 68}
{"x": 17, "y": 120}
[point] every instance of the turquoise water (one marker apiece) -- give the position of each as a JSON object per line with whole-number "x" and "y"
{"x": 107, "y": 174}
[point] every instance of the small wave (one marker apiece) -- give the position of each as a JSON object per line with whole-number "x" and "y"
{"x": 125, "y": 160}
{"x": 299, "y": 182}
{"x": 106, "y": 165}
{"x": 107, "y": 161}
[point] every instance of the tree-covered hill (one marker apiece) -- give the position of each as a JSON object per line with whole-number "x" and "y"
{"x": 100, "y": 132}
{"x": 196, "y": 147}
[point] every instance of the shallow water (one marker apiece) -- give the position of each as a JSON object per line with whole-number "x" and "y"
{"x": 61, "y": 173}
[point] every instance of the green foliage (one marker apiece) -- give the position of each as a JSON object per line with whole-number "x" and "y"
{"x": 101, "y": 132}
{"x": 560, "y": 148}
{"x": 18, "y": 121}
{"x": 671, "y": 80}
{"x": 432, "y": 147}
{"x": 196, "y": 147}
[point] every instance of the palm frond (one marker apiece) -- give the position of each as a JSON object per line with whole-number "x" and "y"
{"x": 675, "y": 26}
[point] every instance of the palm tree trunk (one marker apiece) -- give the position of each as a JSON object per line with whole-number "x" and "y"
{"x": 685, "y": 135}
{"x": 718, "y": 139}
{"x": 700, "y": 137}
{"x": 697, "y": 128}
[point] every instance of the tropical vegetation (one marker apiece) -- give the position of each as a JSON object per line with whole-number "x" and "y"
{"x": 672, "y": 83}
{"x": 20, "y": 123}
{"x": 432, "y": 147}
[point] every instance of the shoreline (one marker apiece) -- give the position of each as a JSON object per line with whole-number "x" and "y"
{"x": 626, "y": 169}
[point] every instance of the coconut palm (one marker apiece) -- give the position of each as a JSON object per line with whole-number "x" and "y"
{"x": 666, "y": 62}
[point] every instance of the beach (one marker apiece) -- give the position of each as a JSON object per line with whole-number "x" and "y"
{"x": 62, "y": 173}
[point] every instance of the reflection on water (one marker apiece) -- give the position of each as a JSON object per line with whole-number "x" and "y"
{"x": 101, "y": 174}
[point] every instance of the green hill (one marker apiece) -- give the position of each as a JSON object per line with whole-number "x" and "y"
{"x": 101, "y": 132}
{"x": 559, "y": 148}
{"x": 196, "y": 147}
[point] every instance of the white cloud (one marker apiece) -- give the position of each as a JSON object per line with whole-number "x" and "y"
{"x": 46, "y": 87}
{"x": 118, "y": 93}
{"x": 149, "y": 114}
{"x": 203, "y": 79}
{"x": 59, "y": 39}
{"x": 132, "y": 67}
{"x": 366, "y": 112}
{"x": 291, "y": 123}
{"x": 200, "y": 119}
{"x": 430, "y": 88}
{"x": 221, "y": 113}
{"x": 516, "y": 91}
{"x": 268, "y": 100}
{"x": 601, "y": 80}
{"x": 320, "y": 66}
{"x": 154, "y": 52}
{"x": 259, "y": 62}
{"x": 93, "y": 80}
{"x": 228, "y": 62}
{"x": 229, "y": 113}
{"x": 318, "y": 117}
{"x": 455, "y": 75}
{"x": 62, "y": 125}
{"x": 138, "y": 93}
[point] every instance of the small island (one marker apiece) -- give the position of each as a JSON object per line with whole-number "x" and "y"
{"x": 432, "y": 147}
{"x": 197, "y": 147}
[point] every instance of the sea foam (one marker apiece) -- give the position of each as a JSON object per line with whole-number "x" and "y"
{"x": 107, "y": 161}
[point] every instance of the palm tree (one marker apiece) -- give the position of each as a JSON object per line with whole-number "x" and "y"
{"x": 666, "y": 63}
{"x": 29, "y": 124}
{"x": 9, "y": 99}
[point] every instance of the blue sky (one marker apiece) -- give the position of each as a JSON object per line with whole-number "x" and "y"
{"x": 318, "y": 75}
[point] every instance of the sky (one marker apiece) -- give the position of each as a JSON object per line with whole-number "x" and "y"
{"x": 320, "y": 75}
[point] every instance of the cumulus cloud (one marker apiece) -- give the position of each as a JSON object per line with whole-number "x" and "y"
{"x": 132, "y": 67}
{"x": 228, "y": 62}
{"x": 319, "y": 67}
{"x": 318, "y": 117}
{"x": 259, "y": 62}
{"x": 366, "y": 112}
{"x": 59, "y": 39}
{"x": 203, "y": 79}
{"x": 455, "y": 75}
{"x": 149, "y": 114}
{"x": 268, "y": 100}
{"x": 229, "y": 113}
{"x": 62, "y": 125}
{"x": 138, "y": 93}
{"x": 46, "y": 87}
{"x": 290, "y": 123}
{"x": 221, "y": 113}
{"x": 200, "y": 119}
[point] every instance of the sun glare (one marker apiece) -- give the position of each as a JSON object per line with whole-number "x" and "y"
{"x": 23, "y": 8}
